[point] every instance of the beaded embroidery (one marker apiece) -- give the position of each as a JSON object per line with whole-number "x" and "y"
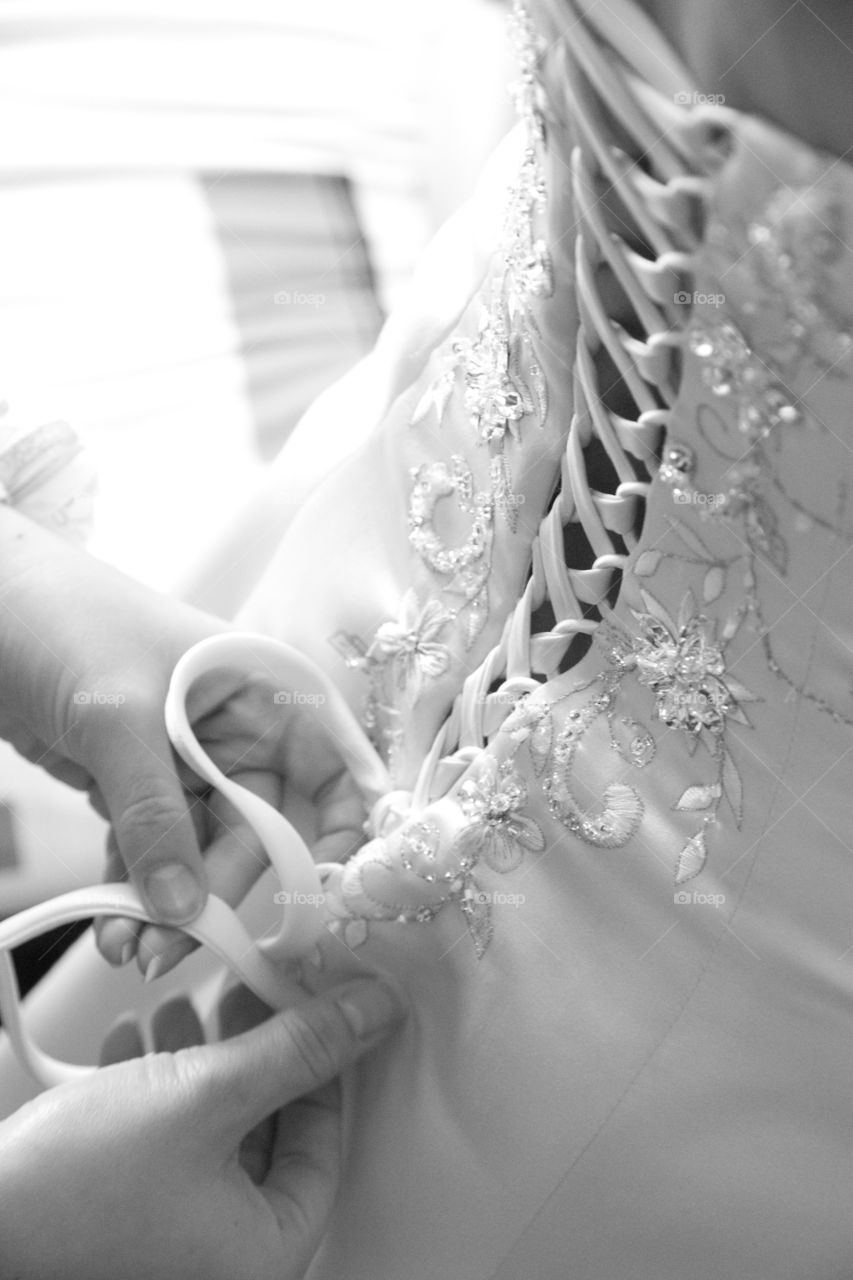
{"x": 792, "y": 248}
{"x": 436, "y": 872}
{"x": 403, "y": 655}
{"x": 466, "y": 566}
{"x": 503, "y": 380}
{"x": 674, "y": 663}
{"x": 682, "y": 662}
{"x": 502, "y": 385}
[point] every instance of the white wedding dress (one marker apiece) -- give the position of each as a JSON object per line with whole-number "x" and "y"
{"x": 588, "y": 579}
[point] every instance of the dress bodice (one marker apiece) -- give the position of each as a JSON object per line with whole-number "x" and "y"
{"x": 589, "y": 584}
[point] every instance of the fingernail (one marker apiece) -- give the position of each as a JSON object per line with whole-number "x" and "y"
{"x": 117, "y": 940}
{"x": 174, "y": 894}
{"x": 154, "y": 968}
{"x": 168, "y": 959}
{"x": 369, "y": 1006}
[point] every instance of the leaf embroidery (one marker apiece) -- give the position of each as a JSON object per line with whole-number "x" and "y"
{"x": 647, "y": 563}
{"x": 700, "y": 796}
{"x": 539, "y": 743}
{"x": 691, "y": 860}
{"x": 478, "y": 916}
{"x": 656, "y": 609}
{"x": 713, "y": 585}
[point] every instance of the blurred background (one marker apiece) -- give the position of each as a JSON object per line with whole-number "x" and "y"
{"x": 206, "y": 209}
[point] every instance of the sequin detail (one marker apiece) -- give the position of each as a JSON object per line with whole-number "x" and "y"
{"x": 681, "y": 662}
{"x": 684, "y": 666}
{"x": 465, "y": 566}
{"x": 501, "y": 385}
{"x": 405, "y": 654}
{"x": 499, "y": 833}
{"x": 503, "y": 382}
{"x": 793, "y": 245}
{"x": 414, "y": 873}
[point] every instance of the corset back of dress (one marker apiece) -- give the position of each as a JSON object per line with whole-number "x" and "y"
{"x": 707, "y": 448}
{"x": 587, "y": 581}
{"x": 603, "y": 636}
{"x": 633, "y": 437}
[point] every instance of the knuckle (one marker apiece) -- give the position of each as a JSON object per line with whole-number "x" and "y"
{"x": 313, "y": 1044}
{"x": 144, "y": 822}
{"x": 181, "y": 1078}
{"x": 148, "y": 810}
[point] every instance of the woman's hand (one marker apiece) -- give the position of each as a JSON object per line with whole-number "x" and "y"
{"x": 86, "y": 655}
{"x": 144, "y": 1170}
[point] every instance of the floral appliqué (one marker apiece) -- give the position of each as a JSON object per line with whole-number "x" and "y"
{"x": 681, "y": 662}
{"x": 405, "y": 653}
{"x": 499, "y": 833}
{"x": 409, "y": 648}
{"x": 503, "y": 383}
{"x": 414, "y": 873}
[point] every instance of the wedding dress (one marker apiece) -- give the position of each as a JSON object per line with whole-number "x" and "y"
{"x": 588, "y": 580}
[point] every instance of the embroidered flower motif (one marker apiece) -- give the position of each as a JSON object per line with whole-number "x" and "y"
{"x": 684, "y": 670}
{"x": 410, "y": 876}
{"x": 499, "y": 833}
{"x": 730, "y": 369}
{"x": 496, "y": 395}
{"x": 684, "y": 665}
{"x": 411, "y": 646}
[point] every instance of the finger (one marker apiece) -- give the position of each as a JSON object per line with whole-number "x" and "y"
{"x": 116, "y": 937}
{"x": 233, "y": 860}
{"x": 176, "y": 1025}
{"x": 304, "y": 1167}
{"x": 161, "y": 950}
{"x": 236, "y": 858}
{"x": 340, "y": 819}
{"x": 122, "y": 1042}
{"x": 308, "y": 757}
{"x": 247, "y": 1078}
{"x": 150, "y": 816}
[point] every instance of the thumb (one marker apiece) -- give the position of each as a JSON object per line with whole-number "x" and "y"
{"x": 153, "y": 828}
{"x": 247, "y": 1078}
